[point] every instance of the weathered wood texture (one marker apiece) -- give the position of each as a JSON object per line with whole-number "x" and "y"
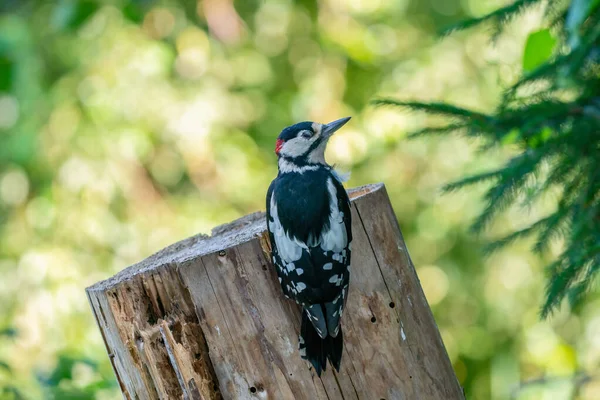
{"x": 206, "y": 319}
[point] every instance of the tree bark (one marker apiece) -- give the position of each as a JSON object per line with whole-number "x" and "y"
{"x": 206, "y": 319}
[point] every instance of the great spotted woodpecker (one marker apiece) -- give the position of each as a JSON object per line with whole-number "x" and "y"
{"x": 308, "y": 219}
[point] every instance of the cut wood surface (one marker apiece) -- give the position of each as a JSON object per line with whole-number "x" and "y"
{"x": 206, "y": 319}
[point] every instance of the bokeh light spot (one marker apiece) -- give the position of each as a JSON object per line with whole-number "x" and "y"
{"x": 14, "y": 187}
{"x": 159, "y": 23}
{"x": 9, "y": 111}
{"x": 40, "y": 212}
{"x": 435, "y": 283}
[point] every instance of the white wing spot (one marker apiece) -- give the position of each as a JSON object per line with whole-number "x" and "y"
{"x": 299, "y": 271}
{"x": 300, "y": 286}
{"x": 328, "y": 266}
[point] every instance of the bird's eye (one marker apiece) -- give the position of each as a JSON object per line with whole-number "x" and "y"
{"x": 306, "y": 134}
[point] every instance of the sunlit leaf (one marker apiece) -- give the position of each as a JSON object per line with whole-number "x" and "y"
{"x": 538, "y": 49}
{"x": 511, "y": 138}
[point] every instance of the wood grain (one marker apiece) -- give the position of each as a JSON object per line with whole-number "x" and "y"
{"x": 206, "y": 319}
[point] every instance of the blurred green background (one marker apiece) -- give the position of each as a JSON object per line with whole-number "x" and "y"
{"x": 128, "y": 125}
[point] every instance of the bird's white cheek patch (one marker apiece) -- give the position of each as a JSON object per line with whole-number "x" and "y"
{"x": 295, "y": 147}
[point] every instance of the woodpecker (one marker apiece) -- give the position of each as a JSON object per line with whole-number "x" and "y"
{"x": 308, "y": 220}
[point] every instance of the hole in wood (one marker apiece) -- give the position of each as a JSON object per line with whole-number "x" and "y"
{"x": 392, "y": 305}
{"x": 264, "y": 267}
{"x": 373, "y": 319}
{"x": 253, "y": 389}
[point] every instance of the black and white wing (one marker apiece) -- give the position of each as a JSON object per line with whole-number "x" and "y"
{"x": 335, "y": 252}
{"x": 290, "y": 256}
{"x": 316, "y": 274}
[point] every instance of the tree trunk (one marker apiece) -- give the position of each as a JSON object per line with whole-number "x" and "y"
{"x": 206, "y": 319}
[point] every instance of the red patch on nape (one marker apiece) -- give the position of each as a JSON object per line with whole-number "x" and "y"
{"x": 278, "y": 145}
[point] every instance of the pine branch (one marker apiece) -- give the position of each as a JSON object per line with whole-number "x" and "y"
{"x": 513, "y": 178}
{"x": 520, "y": 234}
{"x": 472, "y": 180}
{"x": 440, "y": 130}
{"x": 441, "y": 109}
{"x": 566, "y": 270}
{"x": 500, "y": 17}
{"x": 553, "y": 115}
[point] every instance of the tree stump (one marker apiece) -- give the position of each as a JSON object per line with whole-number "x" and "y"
{"x": 205, "y": 318}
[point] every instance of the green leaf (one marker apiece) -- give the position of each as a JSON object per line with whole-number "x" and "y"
{"x": 511, "y": 137}
{"x": 538, "y": 49}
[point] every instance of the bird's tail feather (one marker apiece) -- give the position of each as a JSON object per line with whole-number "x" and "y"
{"x": 317, "y": 350}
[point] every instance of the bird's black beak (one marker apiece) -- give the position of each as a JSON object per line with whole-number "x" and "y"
{"x": 330, "y": 128}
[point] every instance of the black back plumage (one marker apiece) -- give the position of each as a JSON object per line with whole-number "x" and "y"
{"x": 318, "y": 276}
{"x": 304, "y": 194}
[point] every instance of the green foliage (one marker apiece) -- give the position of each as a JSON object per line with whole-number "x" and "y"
{"x": 538, "y": 49}
{"x": 498, "y": 18}
{"x": 126, "y": 125}
{"x": 62, "y": 383}
{"x": 552, "y": 114}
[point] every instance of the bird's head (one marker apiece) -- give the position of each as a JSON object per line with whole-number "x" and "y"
{"x": 305, "y": 142}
